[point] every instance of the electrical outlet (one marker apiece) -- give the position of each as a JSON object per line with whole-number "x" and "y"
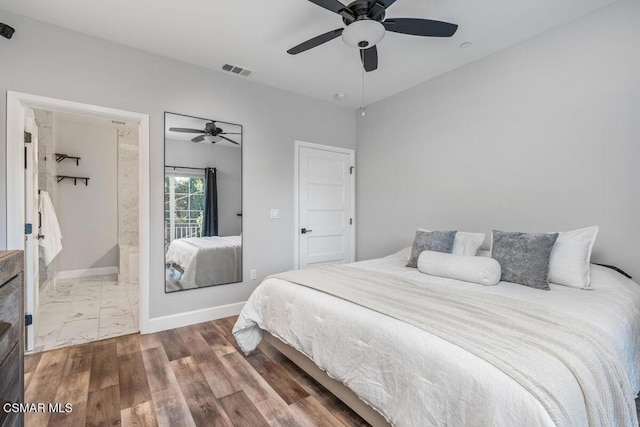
{"x": 275, "y": 213}
{"x": 253, "y": 273}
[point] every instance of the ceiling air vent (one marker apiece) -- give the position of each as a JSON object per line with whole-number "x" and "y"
{"x": 237, "y": 70}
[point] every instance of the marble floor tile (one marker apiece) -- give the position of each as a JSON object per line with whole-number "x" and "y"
{"x": 86, "y": 309}
{"x": 48, "y": 306}
{"x": 76, "y": 331}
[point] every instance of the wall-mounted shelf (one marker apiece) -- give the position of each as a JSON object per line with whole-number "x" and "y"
{"x": 60, "y": 157}
{"x": 74, "y": 178}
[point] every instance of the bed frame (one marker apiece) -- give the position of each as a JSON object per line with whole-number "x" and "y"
{"x": 338, "y": 389}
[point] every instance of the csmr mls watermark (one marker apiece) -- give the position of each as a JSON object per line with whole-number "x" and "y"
{"x": 37, "y": 407}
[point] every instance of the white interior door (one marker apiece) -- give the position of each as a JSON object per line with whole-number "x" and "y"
{"x": 31, "y": 246}
{"x": 325, "y": 205}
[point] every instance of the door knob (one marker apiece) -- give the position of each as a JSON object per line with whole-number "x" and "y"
{"x": 305, "y": 231}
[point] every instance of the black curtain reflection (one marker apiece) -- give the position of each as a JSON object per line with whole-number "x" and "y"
{"x": 210, "y": 219}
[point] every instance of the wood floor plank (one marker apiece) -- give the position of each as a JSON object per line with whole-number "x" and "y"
{"x": 160, "y": 376}
{"x": 31, "y": 362}
{"x": 78, "y": 360}
{"x": 311, "y": 409}
{"x": 225, "y": 327}
{"x": 134, "y": 387}
{"x": 76, "y": 417}
{"x": 241, "y": 410}
{"x": 221, "y": 381}
{"x": 250, "y": 381}
{"x": 150, "y": 341}
{"x": 128, "y": 344}
{"x": 201, "y": 400}
{"x": 74, "y": 390}
{"x": 173, "y": 345}
{"x": 215, "y": 339}
{"x": 103, "y": 406}
{"x": 142, "y": 415}
{"x": 44, "y": 383}
{"x": 278, "y": 413}
{"x": 104, "y": 365}
{"x": 277, "y": 378}
{"x": 335, "y": 405}
{"x": 198, "y": 346}
{"x": 172, "y": 409}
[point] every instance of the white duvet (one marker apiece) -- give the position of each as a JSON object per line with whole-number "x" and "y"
{"x": 207, "y": 260}
{"x": 414, "y": 378}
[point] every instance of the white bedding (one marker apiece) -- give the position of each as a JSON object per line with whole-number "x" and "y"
{"x": 414, "y": 378}
{"x": 206, "y": 260}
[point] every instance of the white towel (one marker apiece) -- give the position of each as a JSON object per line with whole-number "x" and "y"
{"x": 51, "y": 244}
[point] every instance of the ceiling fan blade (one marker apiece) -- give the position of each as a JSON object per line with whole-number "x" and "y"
{"x": 420, "y": 27}
{"x": 385, "y": 3}
{"x": 316, "y": 41}
{"x": 369, "y": 58}
{"x": 229, "y": 133}
{"x": 230, "y": 140}
{"x": 334, "y": 6}
{"x": 198, "y": 138}
{"x": 186, "y": 130}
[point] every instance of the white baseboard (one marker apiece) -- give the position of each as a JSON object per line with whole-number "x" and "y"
{"x": 158, "y": 324}
{"x": 74, "y": 274}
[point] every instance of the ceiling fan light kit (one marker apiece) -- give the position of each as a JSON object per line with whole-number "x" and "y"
{"x": 363, "y": 34}
{"x": 211, "y": 133}
{"x": 366, "y": 26}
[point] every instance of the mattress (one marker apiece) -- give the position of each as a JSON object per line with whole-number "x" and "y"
{"x": 413, "y": 377}
{"x": 206, "y": 261}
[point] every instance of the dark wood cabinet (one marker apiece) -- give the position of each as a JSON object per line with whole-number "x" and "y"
{"x": 11, "y": 336}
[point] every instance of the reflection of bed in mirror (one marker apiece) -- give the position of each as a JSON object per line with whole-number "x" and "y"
{"x": 194, "y": 262}
{"x": 202, "y": 202}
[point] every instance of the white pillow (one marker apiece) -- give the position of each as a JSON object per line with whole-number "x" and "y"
{"x": 465, "y": 243}
{"x": 571, "y": 256}
{"x": 482, "y": 270}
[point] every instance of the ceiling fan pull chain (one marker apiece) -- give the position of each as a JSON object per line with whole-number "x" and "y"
{"x": 362, "y": 107}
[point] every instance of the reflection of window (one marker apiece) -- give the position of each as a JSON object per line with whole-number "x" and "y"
{"x": 183, "y": 206}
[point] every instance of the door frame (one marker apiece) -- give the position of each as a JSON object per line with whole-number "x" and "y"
{"x": 296, "y": 202}
{"x": 16, "y": 102}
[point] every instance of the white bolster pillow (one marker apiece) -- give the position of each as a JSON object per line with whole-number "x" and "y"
{"x": 476, "y": 269}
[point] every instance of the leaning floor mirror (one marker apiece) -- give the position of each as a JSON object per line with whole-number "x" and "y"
{"x": 202, "y": 202}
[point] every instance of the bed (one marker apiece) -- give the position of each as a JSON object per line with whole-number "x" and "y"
{"x": 203, "y": 261}
{"x": 412, "y": 377}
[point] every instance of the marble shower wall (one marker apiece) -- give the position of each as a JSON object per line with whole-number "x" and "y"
{"x": 46, "y": 177}
{"x": 128, "y": 204}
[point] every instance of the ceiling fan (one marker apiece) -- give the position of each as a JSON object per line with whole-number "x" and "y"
{"x": 366, "y": 26}
{"x": 210, "y": 133}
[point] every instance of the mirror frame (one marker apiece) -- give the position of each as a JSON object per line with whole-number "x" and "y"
{"x": 241, "y": 214}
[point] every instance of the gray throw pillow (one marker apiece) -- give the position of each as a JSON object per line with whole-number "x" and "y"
{"x": 438, "y": 241}
{"x": 524, "y": 257}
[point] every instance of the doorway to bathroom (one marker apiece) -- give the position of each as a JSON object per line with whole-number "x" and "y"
{"x": 83, "y": 191}
{"x": 87, "y": 184}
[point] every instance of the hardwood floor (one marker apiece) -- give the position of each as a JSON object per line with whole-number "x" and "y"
{"x": 191, "y": 376}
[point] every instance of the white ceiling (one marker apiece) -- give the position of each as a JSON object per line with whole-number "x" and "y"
{"x": 256, "y": 35}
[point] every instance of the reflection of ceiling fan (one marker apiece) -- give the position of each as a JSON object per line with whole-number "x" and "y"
{"x": 366, "y": 27}
{"x": 210, "y": 133}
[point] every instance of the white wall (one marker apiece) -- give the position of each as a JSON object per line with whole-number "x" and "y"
{"x": 46, "y": 60}
{"x": 542, "y": 136}
{"x": 87, "y": 214}
{"x": 228, "y": 164}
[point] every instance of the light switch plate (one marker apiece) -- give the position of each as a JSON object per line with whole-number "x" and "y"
{"x": 275, "y": 213}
